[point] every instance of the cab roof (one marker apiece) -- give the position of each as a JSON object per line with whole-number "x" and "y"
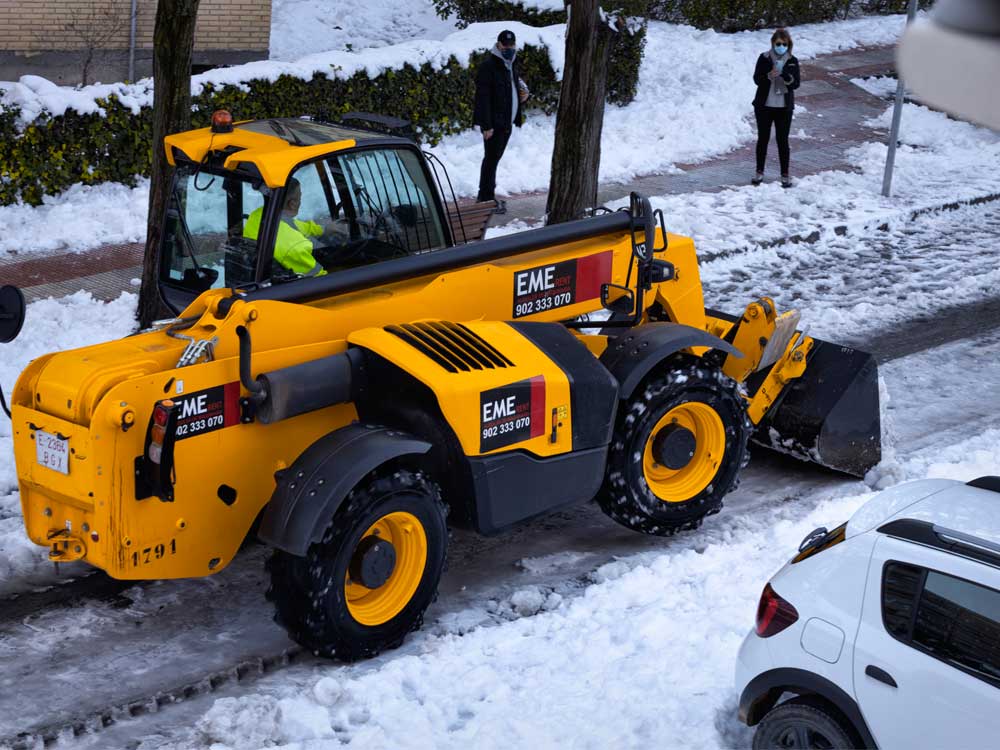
{"x": 274, "y": 147}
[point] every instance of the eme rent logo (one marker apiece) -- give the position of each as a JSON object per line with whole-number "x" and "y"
{"x": 498, "y": 409}
{"x": 535, "y": 280}
{"x": 193, "y": 407}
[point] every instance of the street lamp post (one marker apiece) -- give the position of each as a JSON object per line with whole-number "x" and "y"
{"x": 897, "y": 113}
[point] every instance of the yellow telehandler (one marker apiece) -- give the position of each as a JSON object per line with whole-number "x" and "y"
{"x": 344, "y": 374}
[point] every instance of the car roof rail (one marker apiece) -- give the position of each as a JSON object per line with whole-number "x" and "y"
{"x": 947, "y": 540}
{"x": 986, "y": 483}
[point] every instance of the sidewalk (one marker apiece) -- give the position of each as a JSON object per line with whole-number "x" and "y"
{"x": 830, "y": 112}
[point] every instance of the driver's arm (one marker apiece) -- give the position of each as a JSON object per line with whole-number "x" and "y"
{"x": 309, "y": 228}
{"x": 296, "y": 254}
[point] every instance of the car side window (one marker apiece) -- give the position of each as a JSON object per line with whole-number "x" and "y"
{"x": 949, "y": 618}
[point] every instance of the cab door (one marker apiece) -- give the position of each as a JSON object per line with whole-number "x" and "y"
{"x": 927, "y": 654}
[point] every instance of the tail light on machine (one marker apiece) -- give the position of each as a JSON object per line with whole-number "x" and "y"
{"x": 774, "y": 614}
{"x": 154, "y": 469}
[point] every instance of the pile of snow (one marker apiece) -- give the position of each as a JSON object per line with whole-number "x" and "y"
{"x": 304, "y": 27}
{"x": 881, "y": 86}
{"x": 51, "y": 325}
{"x": 83, "y": 217}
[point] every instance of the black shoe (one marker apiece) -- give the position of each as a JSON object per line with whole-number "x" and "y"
{"x": 501, "y": 207}
{"x": 786, "y": 181}
{"x": 757, "y": 178}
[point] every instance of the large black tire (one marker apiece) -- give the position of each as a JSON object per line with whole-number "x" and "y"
{"x": 690, "y": 385}
{"x": 804, "y": 723}
{"x": 310, "y": 593}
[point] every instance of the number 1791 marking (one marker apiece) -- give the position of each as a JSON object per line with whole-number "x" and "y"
{"x": 154, "y": 553}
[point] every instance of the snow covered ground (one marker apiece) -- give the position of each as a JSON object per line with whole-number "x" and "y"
{"x": 627, "y": 653}
{"x": 305, "y": 27}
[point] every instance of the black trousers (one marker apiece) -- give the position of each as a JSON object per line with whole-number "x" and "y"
{"x": 494, "y": 146}
{"x": 781, "y": 118}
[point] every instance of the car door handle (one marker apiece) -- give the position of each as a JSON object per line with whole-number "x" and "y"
{"x": 881, "y": 675}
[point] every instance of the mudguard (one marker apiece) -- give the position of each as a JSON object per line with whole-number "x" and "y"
{"x": 632, "y": 355}
{"x": 311, "y": 490}
{"x": 764, "y": 691}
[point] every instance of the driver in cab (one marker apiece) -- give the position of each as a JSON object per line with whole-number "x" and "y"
{"x": 293, "y": 248}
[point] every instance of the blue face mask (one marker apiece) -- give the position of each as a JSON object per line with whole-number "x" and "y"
{"x": 508, "y": 52}
{"x": 780, "y": 49}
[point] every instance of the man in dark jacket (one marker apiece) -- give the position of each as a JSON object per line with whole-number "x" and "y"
{"x": 500, "y": 92}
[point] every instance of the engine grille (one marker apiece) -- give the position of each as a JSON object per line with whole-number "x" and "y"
{"x": 452, "y": 345}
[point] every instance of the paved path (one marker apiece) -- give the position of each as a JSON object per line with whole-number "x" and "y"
{"x": 834, "y": 109}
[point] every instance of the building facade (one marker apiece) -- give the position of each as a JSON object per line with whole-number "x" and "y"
{"x": 75, "y": 42}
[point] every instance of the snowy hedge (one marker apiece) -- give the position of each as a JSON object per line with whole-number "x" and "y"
{"x": 52, "y": 137}
{"x": 741, "y": 15}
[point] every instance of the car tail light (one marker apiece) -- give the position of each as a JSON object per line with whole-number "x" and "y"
{"x": 774, "y": 614}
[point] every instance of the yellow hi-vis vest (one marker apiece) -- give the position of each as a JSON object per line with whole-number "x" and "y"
{"x": 292, "y": 247}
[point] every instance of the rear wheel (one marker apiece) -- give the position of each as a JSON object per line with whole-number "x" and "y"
{"x": 367, "y": 583}
{"x": 677, "y": 450}
{"x": 801, "y": 723}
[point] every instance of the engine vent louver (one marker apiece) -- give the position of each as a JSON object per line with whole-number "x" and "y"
{"x": 452, "y": 345}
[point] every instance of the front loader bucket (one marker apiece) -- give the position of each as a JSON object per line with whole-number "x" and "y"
{"x": 829, "y": 415}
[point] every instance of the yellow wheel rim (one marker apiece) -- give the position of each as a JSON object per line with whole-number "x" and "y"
{"x": 680, "y": 485}
{"x": 377, "y": 606}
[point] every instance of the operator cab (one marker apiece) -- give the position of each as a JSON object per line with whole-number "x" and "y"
{"x": 271, "y": 201}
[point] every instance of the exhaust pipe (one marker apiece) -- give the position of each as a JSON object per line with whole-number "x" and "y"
{"x": 301, "y": 388}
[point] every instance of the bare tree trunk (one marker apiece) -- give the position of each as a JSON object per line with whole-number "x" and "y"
{"x": 173, "y": 42}
{"x": 576, "y": 155}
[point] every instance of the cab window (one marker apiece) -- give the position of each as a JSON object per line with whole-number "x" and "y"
{"x": 204, "y": 241}
{"x": 355, "y": 209}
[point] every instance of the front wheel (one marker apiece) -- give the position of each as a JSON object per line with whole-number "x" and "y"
{"x": 366, "y": 584}
{"x": 678, "y": 447}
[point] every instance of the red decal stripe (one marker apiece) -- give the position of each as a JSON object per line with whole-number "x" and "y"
{"x": 537, "y": 405}
{"x": 591, "y": 272}
{"x": 231, "y": 404}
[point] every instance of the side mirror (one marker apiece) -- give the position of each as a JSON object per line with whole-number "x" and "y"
{"x": 12, "y": 310}
{"x": 617, "y": 299}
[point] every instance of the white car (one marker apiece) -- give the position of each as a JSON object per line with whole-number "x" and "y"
{"x": 884, "y": 632}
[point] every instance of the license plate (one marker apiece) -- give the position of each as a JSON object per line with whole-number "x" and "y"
{"x": 52, "y": 452}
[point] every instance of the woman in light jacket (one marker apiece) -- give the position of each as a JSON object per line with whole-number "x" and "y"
{"x": 777, "y": 77}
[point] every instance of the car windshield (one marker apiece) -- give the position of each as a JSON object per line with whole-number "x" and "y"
{"x": 207, "y": 234}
